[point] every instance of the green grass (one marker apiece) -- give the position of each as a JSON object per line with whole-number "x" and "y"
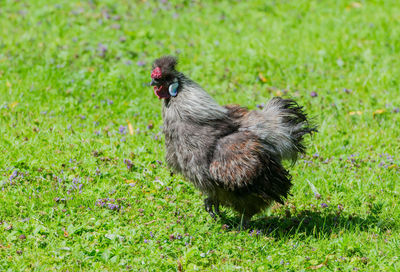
{"x": 72, "y": 73}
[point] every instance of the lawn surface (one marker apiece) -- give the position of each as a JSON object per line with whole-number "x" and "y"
{"x": 83, "y": 183}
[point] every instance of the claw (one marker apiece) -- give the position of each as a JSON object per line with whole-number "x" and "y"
{"x": 245, "y": 222}
{"x": 216, "y": 208}
{"x": 210, "y": 206}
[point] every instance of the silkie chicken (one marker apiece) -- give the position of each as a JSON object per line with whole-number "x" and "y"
{"x": 231, "y": 154}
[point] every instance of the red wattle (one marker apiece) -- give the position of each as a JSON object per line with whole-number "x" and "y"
{"x": 161, "y": 92}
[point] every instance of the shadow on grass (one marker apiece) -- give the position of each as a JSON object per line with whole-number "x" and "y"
{"x": 310, "y": 223}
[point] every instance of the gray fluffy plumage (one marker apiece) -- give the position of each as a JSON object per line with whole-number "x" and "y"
{"x": 233, "y": 155}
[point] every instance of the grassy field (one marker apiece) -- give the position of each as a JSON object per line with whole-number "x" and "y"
{"x": 83, "y": 183}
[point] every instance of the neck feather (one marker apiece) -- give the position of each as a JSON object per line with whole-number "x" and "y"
{"x": 192, "y": 103}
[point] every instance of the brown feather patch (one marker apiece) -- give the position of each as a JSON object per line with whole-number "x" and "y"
{"x": 237, "y": 160}
{"x": 236, "y": 111}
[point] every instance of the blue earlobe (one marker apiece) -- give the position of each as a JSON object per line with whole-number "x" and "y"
{"x": 173, "y": 89}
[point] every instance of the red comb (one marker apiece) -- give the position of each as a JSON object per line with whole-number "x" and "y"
{"x": 156, "y": 73}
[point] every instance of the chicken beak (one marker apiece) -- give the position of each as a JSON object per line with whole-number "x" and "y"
{"x": 152, "y": 83}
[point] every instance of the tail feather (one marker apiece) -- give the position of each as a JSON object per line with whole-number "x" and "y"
{"x": 281, "y": 125}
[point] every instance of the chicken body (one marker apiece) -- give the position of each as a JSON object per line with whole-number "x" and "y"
{"x": 233, "y": 155}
